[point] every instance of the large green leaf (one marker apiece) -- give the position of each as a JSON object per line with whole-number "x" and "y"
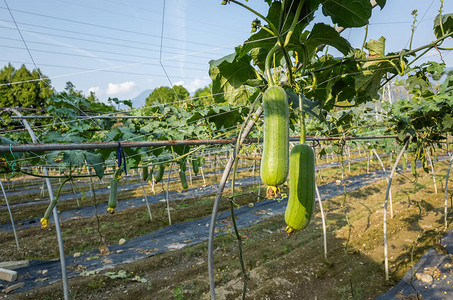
{"x": 347, "y": 13}
{"x": 447, "y": 85}
{"x": 76, "y": 158}
{"x": 229, "y": 75}
{"x": 447, "y": 25}
{"x": 447, "y": 122}
{"x": 376, "y": 48}
{"x": 415, "y": 82}
{"x": 55, "y": 136}
{"x": 368, "y": 82}
{"x": 96, "y": 161}
{"x": 325, "y": 34}
{"x": 312, "y": 108}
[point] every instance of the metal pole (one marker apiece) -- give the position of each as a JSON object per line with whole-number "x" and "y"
{"x": 10, "y": 216}
{"x": 54, "y": 212}
{"x": 88, "y": 117}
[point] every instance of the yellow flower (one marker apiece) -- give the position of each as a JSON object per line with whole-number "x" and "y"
{"x": 44, "y": 223}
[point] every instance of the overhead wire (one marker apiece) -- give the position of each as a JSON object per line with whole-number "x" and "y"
{"x": 105, "y": 27}
{"x": 91, "y": 57}
{"x": 114, "y": 67}
{"x": 160, "y": 51}
{"x": 87, "y": 69}
{"x": 192, "y": 20}
{"x": 135, "y": 16}
{"x": 100, "y": 42}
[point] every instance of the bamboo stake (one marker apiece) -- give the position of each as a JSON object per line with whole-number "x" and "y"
{"x": 385, "y": 207}
{"x": 446, "y": 192}
{"x": 166, "y": 195}
{"x": 387, "y": 179}
{"x": 324, "y": 230}
{"x": 432, "y": 170}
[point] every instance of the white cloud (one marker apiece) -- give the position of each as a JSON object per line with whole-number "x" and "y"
{"x": 197, "y": 83}
{"x": 114, "y": 89}
{"x": 194, "y": 84}
{"x": 124, "y": 90}
{"x": 97, "y": 90}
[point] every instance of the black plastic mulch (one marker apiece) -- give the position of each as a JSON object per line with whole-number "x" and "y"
{"x": 431, "y": 277}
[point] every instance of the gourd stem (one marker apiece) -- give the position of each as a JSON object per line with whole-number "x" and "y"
{"x": 441, "y": 18}
{"x": 275, "y": 32}
{"x": 293, "y": 25}
{"x": 289, "y": 65}
{"x": 54, "y": 202}
{"x": 280, "y": 21}
{"x": 270, "y": 80}
{"x": 302, "y": 119}
{"x": 238, "y": 237}
{"x": 364, "y": 39}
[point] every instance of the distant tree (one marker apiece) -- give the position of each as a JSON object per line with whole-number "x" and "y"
{"x": 20, "y": 88}
{"x": 92, "y": 97}
{"x": 165, "y": 94}
{"x": 181, "y": 92}
{"x": 203, "y": 96}
{"x": 71, "y": 90}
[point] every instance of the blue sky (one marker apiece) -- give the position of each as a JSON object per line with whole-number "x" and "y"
{"x": 116, "y": 47}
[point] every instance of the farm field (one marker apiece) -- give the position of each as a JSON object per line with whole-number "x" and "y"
{"x": 272, "y": 259}
{"x": 230, "y": 149}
